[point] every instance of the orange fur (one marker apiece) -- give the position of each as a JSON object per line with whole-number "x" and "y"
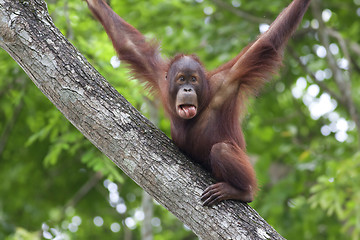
{"x": 213, "y": 137}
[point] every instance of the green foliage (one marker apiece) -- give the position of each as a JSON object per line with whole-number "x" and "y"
{"x": 337, "y": 193}
{"x": 308, "y": 180}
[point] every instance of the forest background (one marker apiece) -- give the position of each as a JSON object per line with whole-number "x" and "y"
{"x": 302, "y": 130}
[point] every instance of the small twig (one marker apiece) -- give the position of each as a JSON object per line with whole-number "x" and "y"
{"x": 70, "y": 32}
{"x": 341, "y": 41}
{"x": 240, "y": 13}
{"x": 84, "y": 190}
{"x": 355, "y": 48}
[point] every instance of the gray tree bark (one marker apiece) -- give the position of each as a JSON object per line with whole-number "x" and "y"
{"x": 99, "y": 112}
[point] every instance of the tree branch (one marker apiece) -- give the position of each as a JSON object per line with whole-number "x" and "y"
{"x": 355, "y": 48}
{"x": 99, "y": 112}
{"x": 321, "y": 84}
{"x": 341, "y": 80}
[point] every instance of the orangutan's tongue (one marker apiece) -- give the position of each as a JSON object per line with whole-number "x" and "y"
{"x": 187, "y": 111}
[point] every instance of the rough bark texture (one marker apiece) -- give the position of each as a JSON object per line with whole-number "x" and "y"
{"x": 98, "y": 111}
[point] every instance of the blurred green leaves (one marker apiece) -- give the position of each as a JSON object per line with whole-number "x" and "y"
{"x": 337, "y": 192}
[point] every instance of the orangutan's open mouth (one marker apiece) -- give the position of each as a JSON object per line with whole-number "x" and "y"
{"x": 187, "y": 111}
